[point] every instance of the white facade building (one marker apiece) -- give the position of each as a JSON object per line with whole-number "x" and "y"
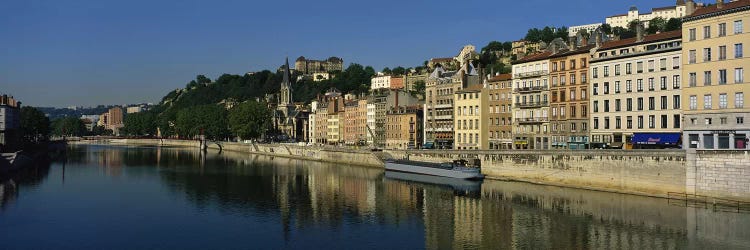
{"x": 681, "y": 9}
{"x": 589, "y": 28}
{"x": 380, "y": 82}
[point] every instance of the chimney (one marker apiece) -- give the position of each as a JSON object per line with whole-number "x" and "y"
{"x": 639, "y": 32}
{"x": 689, "y": 7}
{"x": 572, "y": 42}
{"x": 719, "y": 4}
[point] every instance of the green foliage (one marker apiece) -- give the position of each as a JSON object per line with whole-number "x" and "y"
{"x": 606, "y": 29}
{"x": 68, "y": 126}
{"x": 398, "y": 71}
{"x": 249, "y": 119}
{"x": 209, "y": 119}
{"x": 386, "y": 71}
{"x": 656, "y": 24}
{"x": 673, "y": 24}
{"x": 546, "y": 34}
{"x": 35, "y": 126}
{"x": 143, "y": 123}
{"x": 419, "y": 89}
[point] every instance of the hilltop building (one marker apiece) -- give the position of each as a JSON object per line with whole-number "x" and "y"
{"x": 289, "y": 122}
{"x": 680, "y": 9}
{"x": 309, "y": 67}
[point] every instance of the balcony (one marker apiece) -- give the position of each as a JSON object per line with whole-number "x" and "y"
{"x": 531, "y": 105}
{"x": 439, "y": 130}
{"x": 444, "y": 106}
{"x": 531, "y": 74}
{"x": 440, "y": 117}
{"x": 532, "y": 120}
{"x": 531, "y": 89}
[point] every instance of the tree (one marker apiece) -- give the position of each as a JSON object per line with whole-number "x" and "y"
{"x": 386, "y": 71}
{"x": 398, "y": 71}
{"x": 201, "y": 79}
{"x": 209, "y": 119}
{"x": 606, "y": 29}
{"x": 418, "y": 89}
{"x": 68, "y": 126}
{"x": 35, "y": 126}
{"x": 249, "y": 120}
{"x": 493, "y": 46}
{"x": 507, "y": 46}
{"x": 143, "y": 123}
{"x": 657, "y": 24}
{"x": 673, "y": 24}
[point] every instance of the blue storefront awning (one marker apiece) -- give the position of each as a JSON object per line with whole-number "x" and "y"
{"x": 656, "y": 138}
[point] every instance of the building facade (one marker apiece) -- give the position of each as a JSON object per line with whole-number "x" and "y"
{"x": 404, "y": 127}
{"x": 680, "y": 9}
{"x": 355, "y": 130}
{"x": 384, "y": 100}
{"x": 500, "y": 101}
{"x": 10, "y": 123}
{"x": 471, "y": 118}
{"x": 438, "y": 111}
{"x": 310, "y": 67}
{"x": 715, "y": 41}
{"x": 569, "y": 98}
{"x": 531, "y": 102}
{"x": 636, "y": 92}
{"x": 589, "y": 28}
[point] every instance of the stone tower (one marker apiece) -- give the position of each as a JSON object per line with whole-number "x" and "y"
{"x": 285, "y": 97}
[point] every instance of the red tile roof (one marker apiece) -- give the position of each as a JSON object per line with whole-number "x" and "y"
{"x": 501, "y": 77}
{"x": 714, "y": 8}
{"x": 534, "y": 57}
{"x": 647, "y": 39}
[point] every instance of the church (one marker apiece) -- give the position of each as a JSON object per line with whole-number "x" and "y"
{"x": 289, "y": 120}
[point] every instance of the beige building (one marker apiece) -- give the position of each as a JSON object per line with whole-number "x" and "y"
{"x": 438, "y": 110}
{"x": 569, "y": 98}
{"x": 531, "y": 102}
{"x": 715, "y": 72}
{"x": 636, "y": 92}
{"x": 404, "y": 128}
{"x": 522, "y": 47}
{"x": 355, "y": 130}
{"x": 321, "y": 124}
{"x": 471, "y": 118}
{"x": 500, "y": 101}
{"x": 112, "y": 120}
{"x": 680, "y": 9}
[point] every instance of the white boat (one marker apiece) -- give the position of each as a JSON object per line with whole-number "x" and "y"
{"x": 456, "y": 169}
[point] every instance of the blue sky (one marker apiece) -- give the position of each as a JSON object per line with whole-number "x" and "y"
{"x": 89, "y": 52}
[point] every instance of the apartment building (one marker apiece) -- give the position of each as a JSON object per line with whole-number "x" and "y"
{"x": 715, "y": 41}
{"x": 309, "y": 66}
{"x": 569, "y": 98}
{"x": 500, "y": 101}
{"x": 438, "y": 111}
{"x": 384, "y": 100}
{"x": 404, "y": 127}
{"x": 531, "y": 102}
{"x": 355, "y": 122}
{"x": 636, "y": 92}
{"x": 471, "y": 118}
{"x": 10, "y": 123}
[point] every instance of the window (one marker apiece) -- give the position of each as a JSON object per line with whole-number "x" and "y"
{"x": 583, "y": 77}
{"x": 606, "y": 88}
{"x": 629, "y": 104}
{"x": 640, "y": 121}
{"x": 629, "y": 122}
{"x": 640, "y": 103}
{"x": 707, "y": 78}
{"x": 740, "y": 120}
{"x": 572, "y": 79}
{"x": 651, "y": 103}
{"x": 595, "y": 73}
{"x": 723, "y": 101}
{"x": 596, "y": 89}
{"x": 617, "y": 105}
{"x": 628, "y": 68}
{"x": 706, "y": 32}
{"x": 706, "y": 54}
{"x": 583, "y": 62}
{"x": 606, "y": 71}
{"x": 739, "y": 100}
{"x": 629, "y": 86}
{"x": 709, "y": 121}
{"x": 664, "y": 103}
{"x": 617, "y": 69}
{"x": 584, "y": 110}
{"x": 573, "y": 111}
{"x": 676, "y": 62}
{"x": 562, "y": 80}
{"x": 606, "y": 122}
{"x": 596, "y": 122}
{"x": 722, "y": 29}
{"x": 693, "y": 79}
{"x": 617, "y": 86}
{"x": 738, "y": 50}
{"x": 596, "y": 106}
{"x": 572, "y": 64}
{"x": 738, "y": 75}
{"x": 693, "y": 102}
{"x": 722, "y": 53}
{"x": 562, "y": 65}
{"x": 707, "y": 101}
{"x": 675, "y": 81}
{"x": 738, "y": 27}
{"x": 639, "y": 84}
{"x": 651, "y": 84}
{"x": 606, "y": 105}
{"x": 722, "y": 76}
{"x": 663, "y": 83}
{"x": 650, "y": 65}
{"x": 664, "y": 121}
{"x": 692, "y": 34}
{"x": 676, "y": 101}
{"x": 639, "y": 67}
{"x": 663, "y": 64}
{"x": 572, "y": 94}
{"x": 676, "y": 121}
{"x": 691, "y": 56}
{"x": 723, "y": 120}
{"x": 651, "y": 122}
{"x": 583, "y": 94}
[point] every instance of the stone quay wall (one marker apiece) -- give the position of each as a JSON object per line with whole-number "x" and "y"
{"x": 719, "y": 173}
{"x": 652, "y": 173}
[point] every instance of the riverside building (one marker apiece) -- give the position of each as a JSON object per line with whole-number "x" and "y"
{"x": 531, "y": 102}
{"x": 569, "y": 98}
{"x": 471, "y": 118}
{"x": 500, "y": 101}
{"x": 404, "y": 127}
{"x": 636, "y": 87}
{"x": 715, "y": 41}
{"x": 438, "y": 111}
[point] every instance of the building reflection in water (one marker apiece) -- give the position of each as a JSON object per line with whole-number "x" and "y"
{"x": 499, "y": 215}
{"x": 12, "y": 183}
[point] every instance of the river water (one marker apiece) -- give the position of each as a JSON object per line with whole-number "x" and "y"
{"x": 113, "y": 197}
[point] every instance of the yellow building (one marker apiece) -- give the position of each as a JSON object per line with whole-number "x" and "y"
{"x": 403, "y": 128}
{"x": 471, "y": 118}
{"x": 714, "y": 41}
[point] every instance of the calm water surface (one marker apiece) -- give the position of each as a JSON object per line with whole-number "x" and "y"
{"x": 107, "y": 197}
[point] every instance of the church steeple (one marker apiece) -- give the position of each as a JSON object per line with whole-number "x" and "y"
{"x": 286, "y": 86}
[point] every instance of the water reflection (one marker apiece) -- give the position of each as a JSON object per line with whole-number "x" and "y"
{"x": 326, "y": 200}
{"x": 11, "y": 183}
